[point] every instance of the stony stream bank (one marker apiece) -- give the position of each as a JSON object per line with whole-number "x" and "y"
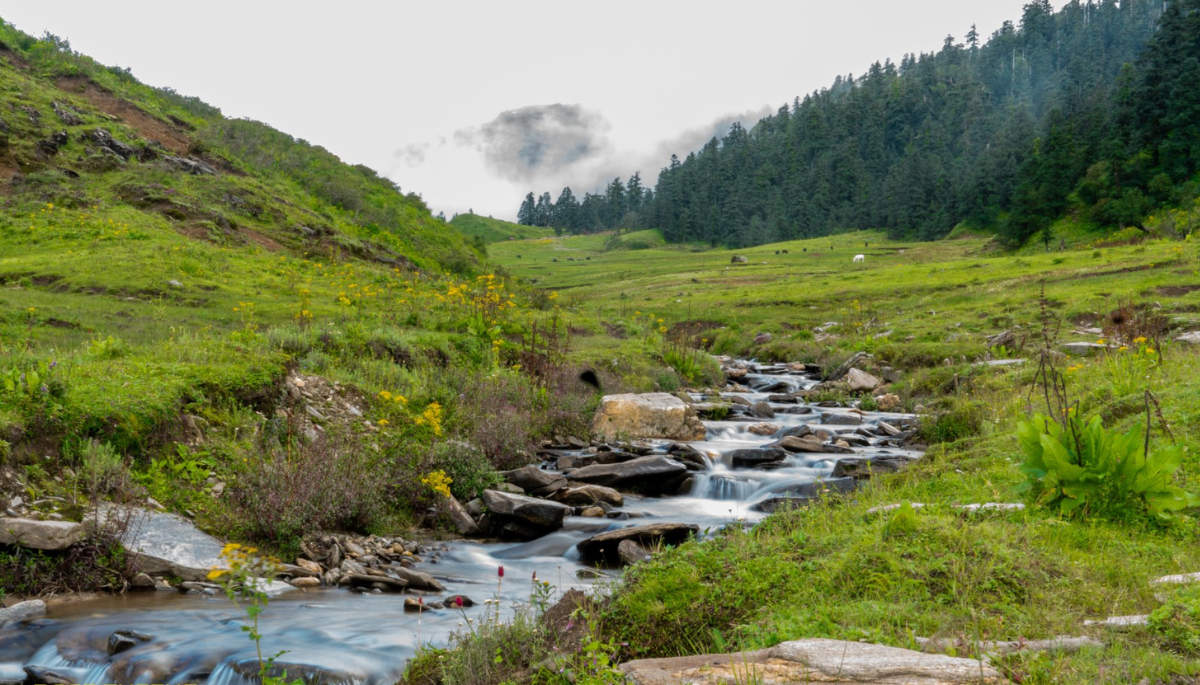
{"x": 662, "y": 468}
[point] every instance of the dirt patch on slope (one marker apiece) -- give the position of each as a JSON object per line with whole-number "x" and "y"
{"x": 1176, "y": 290}
{"x": 261, "y": 240}
{"x": 148, "y": 126}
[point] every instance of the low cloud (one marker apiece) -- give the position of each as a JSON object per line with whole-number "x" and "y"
{"x": 539, "y": 142}
{"x": 413, "y": 155}
{"x": 597, "y": 174}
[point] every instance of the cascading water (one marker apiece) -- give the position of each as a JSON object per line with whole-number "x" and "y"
{"x": 335, "y": 637}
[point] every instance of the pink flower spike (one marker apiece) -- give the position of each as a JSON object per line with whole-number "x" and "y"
{"x": 501, "y": 571}
{"x": 458, "y": 601}
{"x": 420, "y": 600}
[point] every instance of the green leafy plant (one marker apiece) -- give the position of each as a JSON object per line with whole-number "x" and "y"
{"x": 1082, "y": 469}
{"x": 243, "y": 580}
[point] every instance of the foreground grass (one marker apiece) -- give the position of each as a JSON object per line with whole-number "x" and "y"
{"x": 835, "y": 570}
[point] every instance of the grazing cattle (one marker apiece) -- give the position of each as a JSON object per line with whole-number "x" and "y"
{"x": 860, "y": 258}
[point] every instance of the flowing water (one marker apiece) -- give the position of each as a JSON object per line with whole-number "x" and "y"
{"x": 336, "y": 636}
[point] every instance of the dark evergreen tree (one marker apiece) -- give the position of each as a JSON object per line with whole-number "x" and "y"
{"x": 527, "y": 214}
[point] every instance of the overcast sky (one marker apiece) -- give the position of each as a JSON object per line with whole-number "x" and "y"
{"x": 456, "y": 100}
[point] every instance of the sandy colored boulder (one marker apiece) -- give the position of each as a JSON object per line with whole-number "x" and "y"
{"x": 651, "y": 415}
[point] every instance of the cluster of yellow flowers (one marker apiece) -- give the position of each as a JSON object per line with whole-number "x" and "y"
{"x": 439, "y": 482}
{"x": 432, "y": 417}
{"x": 243, "y": 562}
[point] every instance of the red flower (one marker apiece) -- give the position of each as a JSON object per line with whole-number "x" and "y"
{"x": 501, "y": 571}
{"x": 458, "y": 601}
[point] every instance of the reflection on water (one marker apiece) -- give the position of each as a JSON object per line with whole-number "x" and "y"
{"x": 336, "y": 636}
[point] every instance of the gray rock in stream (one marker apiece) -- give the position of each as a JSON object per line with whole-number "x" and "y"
{"x": 757, "y": 457}
{"x": 604, "y": 547}
{"x": 524, "y": 517}
{"x": 762, "y": 410}
{"x": 647, "y": 473}
{"x": 533, "y": 480}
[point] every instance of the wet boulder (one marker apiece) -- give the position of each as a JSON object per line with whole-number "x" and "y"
{"x": 651, "y": 415}
{"x": 589, "y": 495}
{"x": 535, "y": 481}
{"x": 648, "y": 473}
{"x": 604, "y": 547}
{"x": 757, "y": 457}
{"x": 417, "y": 579}
{"x": 524, "y": 517}
{"x": 809, "y": 444}
{"x": 762, "y": 410}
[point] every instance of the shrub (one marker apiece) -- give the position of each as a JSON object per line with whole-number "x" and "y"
{"x": 102, "y": 470}
{"x": 962, "y": 420}
{"x": 1085, "y": 470}
{"x": 332, "y": 484}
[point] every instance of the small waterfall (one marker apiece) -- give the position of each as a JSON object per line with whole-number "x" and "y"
{"x": 723, "y": 487}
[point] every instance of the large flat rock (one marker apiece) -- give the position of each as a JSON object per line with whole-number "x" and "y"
{"x": 645, "y": 472}
{"x": 650, "y": 415}
{"x": 814, "y": 661}
{"x": 171, "y": 545}
{"x": 45, "y": 535}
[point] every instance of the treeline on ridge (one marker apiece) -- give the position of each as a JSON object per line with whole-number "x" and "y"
{"x": 1094, "y": 108}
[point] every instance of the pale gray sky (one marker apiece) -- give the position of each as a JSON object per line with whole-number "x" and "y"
{"x": 416, "y": 90}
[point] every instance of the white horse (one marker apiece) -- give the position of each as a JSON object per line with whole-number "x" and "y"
{"x": 860, "y": 258}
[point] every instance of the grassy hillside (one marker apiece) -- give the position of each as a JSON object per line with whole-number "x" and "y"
{"x": 491, "y": 230}
{"x": 165, "y": 271}
{"x": 925, "y": 312}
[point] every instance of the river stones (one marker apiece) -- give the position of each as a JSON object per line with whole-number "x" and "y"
{"x": 418, "y": 580}
{"x": 831, "y": 419}
{"x": 756, "y": 457}
{"x": 45, "y": 535}
{"x": 865, "y": 467}
{"x": 524, "y": 517}
{"x": 647, "y": 473}
{"x": 603, "y": 547}
{"x": 651, "y": 415}
{"x": 589, "y": 495}
{"x": 812, "y": 661}
{"x": 385, "y": 583}
{"x": 762, "y": 410}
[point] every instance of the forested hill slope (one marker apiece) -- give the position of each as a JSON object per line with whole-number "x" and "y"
{"x": 77, "y": 133}
{"x": 1090, "y": 107}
